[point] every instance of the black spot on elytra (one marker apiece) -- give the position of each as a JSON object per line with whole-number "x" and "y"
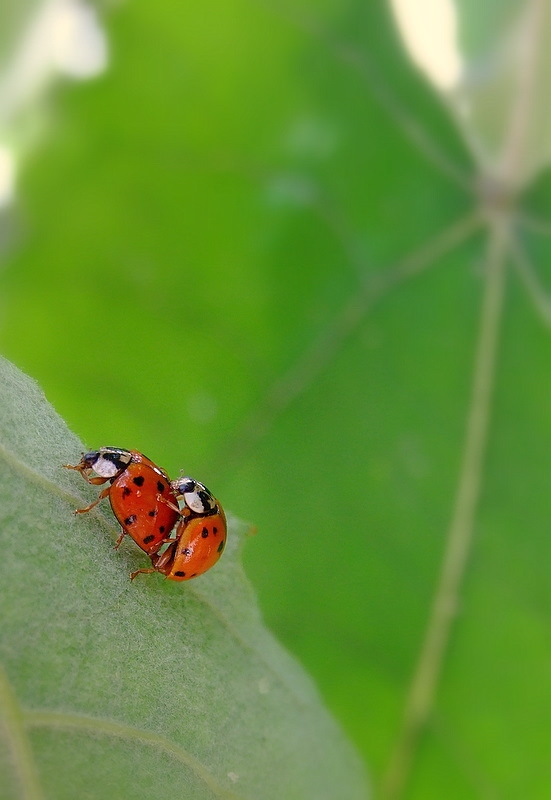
{"x": 215, "y": 530}
{"x": 148, "y": 539}
{"x": 160, "y": 487}
{"x": 162, "y": 529}
{"x": 139, "y": 480}
{"x": 180, "y": 574}
{"x": 221, "y": 546}
{"x": 126, "y": 491}
{"x": 204, "y": 533}
{"x": 153, "y": 513}
{"x": 129, "y": 520}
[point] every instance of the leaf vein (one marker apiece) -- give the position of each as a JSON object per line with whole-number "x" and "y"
{"x": 424, "y": 683}
{"x": 12, "y": 718}
{"x": 59, "y": 720}
{"x": 315, "y": 358}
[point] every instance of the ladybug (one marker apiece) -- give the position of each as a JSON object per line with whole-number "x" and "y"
{"x": 141, "y": 494}
{"x": 200, "y": 534}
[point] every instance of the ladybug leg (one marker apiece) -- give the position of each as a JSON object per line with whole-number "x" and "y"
{"x": 78, "y": 467}
{"x": 144, "y": 570}
{"x": 73, "y": 466}
{"x": 162, "y": 560}
{"x": 119, "y": 540}
{"x": 85, "y": 472}
{"x": 168, "y": 540}
{"x": 99, "y": 498}
{"x": 183, "y": 512}
{"x": 161, "y": 499}
{"x": 97, "y": 481}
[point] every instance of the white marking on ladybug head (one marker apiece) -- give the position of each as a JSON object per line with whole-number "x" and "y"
{"x": 193, "y": 500}
{"x": 105, "y": 468}
{"x": 110, "y": 461}
{"x": 196, "y": 496}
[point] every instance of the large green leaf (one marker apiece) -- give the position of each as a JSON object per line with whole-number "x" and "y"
{"x": 263, "y": 249}
{"x": 111, "y": 689}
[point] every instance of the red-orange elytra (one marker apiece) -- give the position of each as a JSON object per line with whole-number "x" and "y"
{"x": 141, "y": 494}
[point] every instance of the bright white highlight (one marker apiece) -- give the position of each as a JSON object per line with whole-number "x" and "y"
{"x": 7, "y": 176}
{"x": 429, "y": 31}
{"x": 63, "y": 37}
{"x": 78, "y": 44}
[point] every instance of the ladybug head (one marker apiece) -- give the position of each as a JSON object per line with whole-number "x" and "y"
{"x": 107, "y": 461}
{"x": 89, "y": 459}
{"x": 195, "y": 495}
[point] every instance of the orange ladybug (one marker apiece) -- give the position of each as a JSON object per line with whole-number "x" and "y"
{"x": 141, "y": 494}
{"x": 200, "y": 534}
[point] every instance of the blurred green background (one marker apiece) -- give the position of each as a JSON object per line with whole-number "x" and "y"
{"x": 218, "y": 254}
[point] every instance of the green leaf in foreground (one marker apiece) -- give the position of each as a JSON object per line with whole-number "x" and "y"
{"x": 112, "y": 689}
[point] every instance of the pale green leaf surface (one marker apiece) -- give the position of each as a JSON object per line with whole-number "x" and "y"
{"x": 147, "y": 689}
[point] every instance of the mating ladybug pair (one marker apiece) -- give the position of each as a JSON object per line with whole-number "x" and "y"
{"x": 149, "y": 506}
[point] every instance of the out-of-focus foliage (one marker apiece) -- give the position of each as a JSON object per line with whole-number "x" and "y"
{"x": 39, "y": 42}
{"x": 262, "y": 248}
